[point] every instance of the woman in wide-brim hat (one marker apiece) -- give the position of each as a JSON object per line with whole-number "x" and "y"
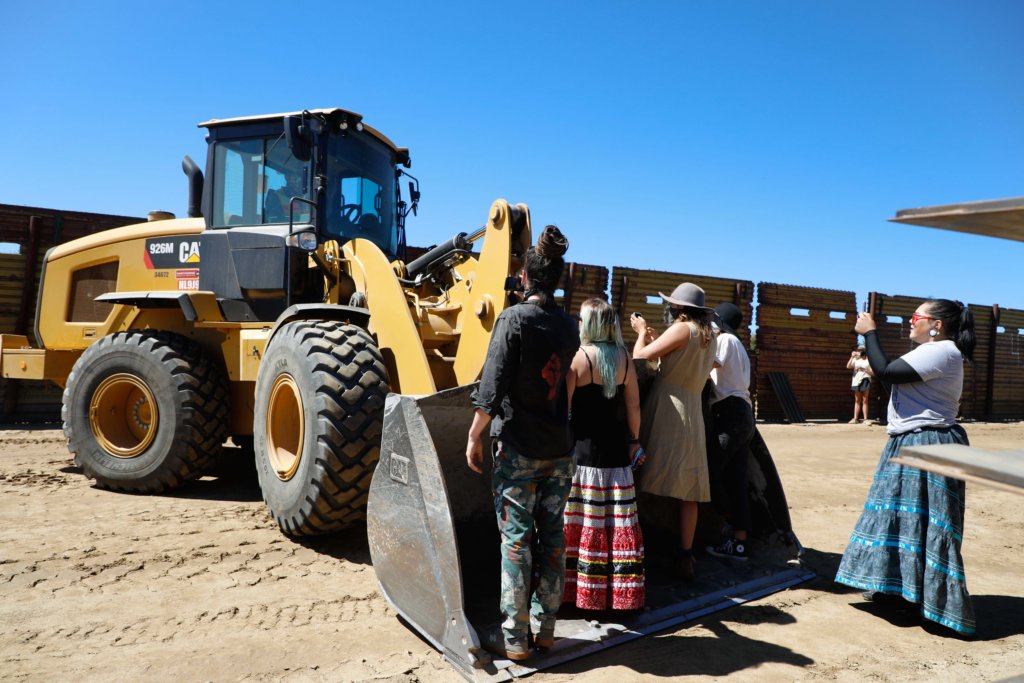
{"x": 672, "y": 427}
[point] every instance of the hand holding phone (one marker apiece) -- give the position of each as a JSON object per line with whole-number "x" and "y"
{"x": 637, "y": 322}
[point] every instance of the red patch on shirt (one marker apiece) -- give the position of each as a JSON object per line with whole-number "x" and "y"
{"x": 552, "y": 374}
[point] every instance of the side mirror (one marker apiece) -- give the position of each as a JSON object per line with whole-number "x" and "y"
{"x": 414, "y": 197}
{"x": 297, "y": 135}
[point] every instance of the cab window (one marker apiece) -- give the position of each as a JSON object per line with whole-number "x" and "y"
{"x": 254, "y": 182}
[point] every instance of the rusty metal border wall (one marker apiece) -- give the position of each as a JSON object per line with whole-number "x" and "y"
{"x": 35, "y": 230}
{"x": 810, "y": 346}
{"x": 1007, "y": 354}
{"x": 580, "y": 282}
{"x": 637, "y": 290}
{"x": 991, "y": 382}
{"x": 807, "y": 334}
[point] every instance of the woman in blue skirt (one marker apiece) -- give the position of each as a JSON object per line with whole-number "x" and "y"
{"x": 907, "y": 540}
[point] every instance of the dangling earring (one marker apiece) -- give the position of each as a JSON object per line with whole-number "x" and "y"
{"x": 932, "y": 332}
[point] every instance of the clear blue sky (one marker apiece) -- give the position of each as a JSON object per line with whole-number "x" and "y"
{"x": 762, "y": 140}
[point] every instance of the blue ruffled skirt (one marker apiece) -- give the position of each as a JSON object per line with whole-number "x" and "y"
{"x": 907, "y": 541}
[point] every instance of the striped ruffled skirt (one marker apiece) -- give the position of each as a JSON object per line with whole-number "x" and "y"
{"x": 907, "y": 540}
{"x": 604, "y": 548}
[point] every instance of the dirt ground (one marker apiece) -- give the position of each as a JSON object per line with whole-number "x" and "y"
{"x": 200, "y": 586}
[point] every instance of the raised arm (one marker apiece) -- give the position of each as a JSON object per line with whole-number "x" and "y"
{"x": 893, "y": 372}
{"x": 677, "y": 336}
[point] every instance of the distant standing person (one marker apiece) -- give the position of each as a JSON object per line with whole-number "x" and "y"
{"x": 672, "y": 428}
{"x": 523, "y": 395}
{"x": 732, "y": 428}
{"x": 861, "y": 383}
{"x": 603, "y": 543}
{"x": 907, "y": 540}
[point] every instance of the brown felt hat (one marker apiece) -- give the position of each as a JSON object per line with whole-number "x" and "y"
{"x": 686, "y": 294}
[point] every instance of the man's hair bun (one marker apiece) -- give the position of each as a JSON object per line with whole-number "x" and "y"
{"x": 552, "y": 242}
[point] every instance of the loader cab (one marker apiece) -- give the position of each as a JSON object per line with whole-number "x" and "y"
{"x": 328, "y": 175}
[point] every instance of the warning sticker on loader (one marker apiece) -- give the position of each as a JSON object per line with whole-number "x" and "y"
{"x": 171, "y": 252}
{"x": 188, "y": 278}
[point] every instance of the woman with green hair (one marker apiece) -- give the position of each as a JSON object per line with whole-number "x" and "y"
{"x": 604, "y": 546}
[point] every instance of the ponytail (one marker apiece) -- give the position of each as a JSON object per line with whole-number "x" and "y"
{"x": 958, "y": 324}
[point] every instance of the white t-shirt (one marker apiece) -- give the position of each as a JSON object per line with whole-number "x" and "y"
{"x": 935, "y": 401}
{"x": 733, "y": 378}
{"x": 860, "y": 367}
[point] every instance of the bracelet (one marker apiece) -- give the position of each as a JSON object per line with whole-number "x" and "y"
{"x": 636, "y": 456}
{"x": 633, "y": 441}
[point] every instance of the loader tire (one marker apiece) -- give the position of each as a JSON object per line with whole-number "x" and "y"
{"x": 318, "y": 421}
{"x": 145, "y": 411}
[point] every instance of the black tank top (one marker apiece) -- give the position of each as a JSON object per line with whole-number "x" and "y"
{"x": 599, "y": 424}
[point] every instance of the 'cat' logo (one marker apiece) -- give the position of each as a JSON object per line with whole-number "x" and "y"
{"x": 171, "y": 253}
{"x": 188, "y": 252}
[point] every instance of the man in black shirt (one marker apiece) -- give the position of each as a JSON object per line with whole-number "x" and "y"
{"x": 522, "y": 395}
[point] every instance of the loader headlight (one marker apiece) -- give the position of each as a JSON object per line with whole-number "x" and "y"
{"x": 305, "y": 240}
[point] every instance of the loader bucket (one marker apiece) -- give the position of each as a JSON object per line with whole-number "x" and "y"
{"x": 435, "y": 547}
{"x": 421, "y": 492}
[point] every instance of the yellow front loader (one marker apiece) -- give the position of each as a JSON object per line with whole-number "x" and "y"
{"x": 281, "y": 314}
{"x": 285, "y": 314}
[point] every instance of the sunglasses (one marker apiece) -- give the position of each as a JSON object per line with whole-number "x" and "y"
{"x": 917, "y": 316}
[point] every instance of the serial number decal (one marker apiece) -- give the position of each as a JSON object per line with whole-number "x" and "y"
{"x": 171, "y": 252}
{"x": 188, "y": 284}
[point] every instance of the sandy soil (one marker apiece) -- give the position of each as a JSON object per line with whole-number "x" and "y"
{"x": 200, "y": 586}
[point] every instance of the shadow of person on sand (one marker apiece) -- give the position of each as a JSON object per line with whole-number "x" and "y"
{"x": 723, "y": 653}
{"x": 998, "y": 616}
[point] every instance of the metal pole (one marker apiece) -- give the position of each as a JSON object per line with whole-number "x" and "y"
{"x": 623, "y": 295}
{"x": 569, "y": 286}
{"x": 990, "y": 373}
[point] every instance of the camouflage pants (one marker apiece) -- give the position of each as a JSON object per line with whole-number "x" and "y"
{"x": 529, "y": 497}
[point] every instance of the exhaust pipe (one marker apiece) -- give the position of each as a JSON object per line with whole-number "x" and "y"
{"x": 195, "y": 187}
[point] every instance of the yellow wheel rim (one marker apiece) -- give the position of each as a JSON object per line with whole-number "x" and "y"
{"x": 285, "y": 427}
{"x": 123, "y": 415}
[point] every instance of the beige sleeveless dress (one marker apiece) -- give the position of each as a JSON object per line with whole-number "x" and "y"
{"x": 672, "y": 427}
